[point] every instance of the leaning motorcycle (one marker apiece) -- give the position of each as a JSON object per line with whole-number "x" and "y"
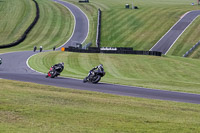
{"x": 54, "y": 72}
{"x": 95, "y": 77}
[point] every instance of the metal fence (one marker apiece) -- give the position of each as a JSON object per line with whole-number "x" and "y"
{"x": 192, "y": 49}
{"x": 83, "y": 1}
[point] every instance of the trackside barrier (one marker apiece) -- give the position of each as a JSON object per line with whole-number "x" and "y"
{"x": 111, "y": 50}
{"x": 62, "y": 49}
{"x": 192, "y": 49}
{"x": 83, "y": 1}
{"x": 87, "y": 45}
{"x": 98, "y": 29}
{"x": 23, "y": 37}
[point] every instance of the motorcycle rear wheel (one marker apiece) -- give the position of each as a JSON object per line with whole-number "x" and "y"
{"x": 96, "y": 79}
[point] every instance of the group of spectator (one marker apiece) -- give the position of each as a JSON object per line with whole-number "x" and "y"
{"x": 35, "y": 48}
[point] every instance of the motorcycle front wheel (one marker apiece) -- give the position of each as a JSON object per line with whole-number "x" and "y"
{"x": 53, "y": 75}
{"x": 85, "y": 80}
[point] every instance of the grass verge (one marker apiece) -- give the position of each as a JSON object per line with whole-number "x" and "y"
{"x": 28, "y": 107}
{"x": 15, "y": 19}
{"x": 53, "y": 28}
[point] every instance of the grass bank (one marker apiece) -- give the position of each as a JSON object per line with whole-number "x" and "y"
{"x": 28, "y": 107}
{"x": 16, "y": 16}
{"x": 53, "y": 28}
{"x": 121, "y": 27}
{"x": 167, "y": 73}
{"x": 141, "y": 28}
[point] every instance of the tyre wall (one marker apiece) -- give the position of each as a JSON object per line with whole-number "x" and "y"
{"x": 111, "y": 50}
{"x": 23, "y": 37}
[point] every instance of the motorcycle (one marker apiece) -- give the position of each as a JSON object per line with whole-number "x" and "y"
{"x": 0, "y": 61}
{"x": 94, "y": 77}
{"x": 54, "y": 71}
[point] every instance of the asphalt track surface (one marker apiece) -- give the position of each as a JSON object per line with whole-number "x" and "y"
{"x": 81, "y": 26}
{"x": 15, "y": 67}
{"x": 168, "y": 40}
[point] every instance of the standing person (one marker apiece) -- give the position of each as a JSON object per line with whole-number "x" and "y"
{"x": 0, "y": 61}
{"x": 54, "y": 48}
{"x": 40, "y": 48}
{"x": 35, "y": 48}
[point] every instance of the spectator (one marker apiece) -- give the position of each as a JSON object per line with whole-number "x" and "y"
{"x": 40, "y": 48}
{"x": 0, "y": 61}
{"x": 34, "y": 49}
{"x": 54, "y": 48}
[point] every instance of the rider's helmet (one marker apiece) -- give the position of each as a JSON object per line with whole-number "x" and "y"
{"x": 62, "y": 63}
{"x": 100, "y": 66}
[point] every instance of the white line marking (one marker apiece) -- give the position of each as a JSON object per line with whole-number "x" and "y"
{"x": 29, "y": 66}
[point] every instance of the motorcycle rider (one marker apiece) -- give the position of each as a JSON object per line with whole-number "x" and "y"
{"x": 58, "y": 67}
{"x": 0, "y": 61}
{"x": 98, "y": 68}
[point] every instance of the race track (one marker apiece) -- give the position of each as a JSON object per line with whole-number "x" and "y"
{"x": 81, "y": 27}
{"x": 14, "y": 67}
{"x": 168, "y": 40}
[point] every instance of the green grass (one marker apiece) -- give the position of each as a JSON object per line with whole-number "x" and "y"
{"x": 54, "y": 27}
{"x": 28, "y": 107}
{"x": 15, "y": 19}
{"x": 167, "y": 73}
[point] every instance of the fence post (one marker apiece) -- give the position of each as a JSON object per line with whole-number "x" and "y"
{"x": 98, "y": 29}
